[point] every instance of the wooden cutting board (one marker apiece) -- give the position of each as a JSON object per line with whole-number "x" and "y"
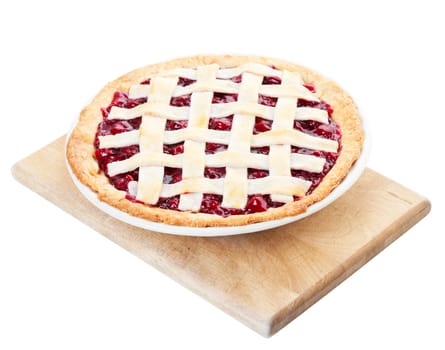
{"x": 263, "y": 279}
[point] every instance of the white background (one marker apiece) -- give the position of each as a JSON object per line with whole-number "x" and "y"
{"x": 64, "y": 286}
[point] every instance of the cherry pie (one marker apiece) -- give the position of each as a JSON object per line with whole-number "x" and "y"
{"x": 216, "y": 140}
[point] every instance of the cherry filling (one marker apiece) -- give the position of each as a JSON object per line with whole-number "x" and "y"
{"x": 211, "y": 203}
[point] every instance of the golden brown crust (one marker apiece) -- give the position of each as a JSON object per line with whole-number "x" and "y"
{"x": 80, "y": 145}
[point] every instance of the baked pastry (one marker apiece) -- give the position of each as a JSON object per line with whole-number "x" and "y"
{"x": 216, "y": 140}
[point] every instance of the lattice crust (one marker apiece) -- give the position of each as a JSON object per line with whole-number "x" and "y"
{"x": 236, "y": 186}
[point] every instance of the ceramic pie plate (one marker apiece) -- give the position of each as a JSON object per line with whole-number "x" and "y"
{"x": 344, "y": 186}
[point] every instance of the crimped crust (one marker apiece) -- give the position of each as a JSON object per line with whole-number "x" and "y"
{"x": 80, "y": 145}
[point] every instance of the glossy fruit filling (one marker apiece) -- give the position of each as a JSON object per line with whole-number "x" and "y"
{"x": 211, "y": 203}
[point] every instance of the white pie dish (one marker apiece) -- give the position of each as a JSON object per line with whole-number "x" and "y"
{"x": 353, "y": 175}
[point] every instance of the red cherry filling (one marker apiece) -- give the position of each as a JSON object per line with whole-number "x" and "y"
{"x": 171, "y": 203}
{"x": 219, "y": 97}
{"x": 185, "y": 81}
{"x": 237, "y": 79}
{"x": 121, "y": 181}
{"x": 172, "y": 175}
{"x": 214, "y": 173}
{"x": 267, "y": 100}
{"x": 212, "y": 148}
{"x": 256, "y": 204}
{"x": 211, "y": 203}
{"x": 108, "y": 155}
{"x": 181, "y": 101}
{"x": 256, "y": 173}
{"x": 120, "y": 99}
{"x": 260, "y": 150}
{"x": 224, "y": 123}
{"x": 262, "y": 125}
{"x": 310, "y": 87}
{"x": 173, "y": 149}
{"x": 271, "y": 80}
{"x": 175, "y": 124}
{"x": 314, "y": 104}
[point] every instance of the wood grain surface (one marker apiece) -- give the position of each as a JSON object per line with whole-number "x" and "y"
{"x": 263, "y": 279}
